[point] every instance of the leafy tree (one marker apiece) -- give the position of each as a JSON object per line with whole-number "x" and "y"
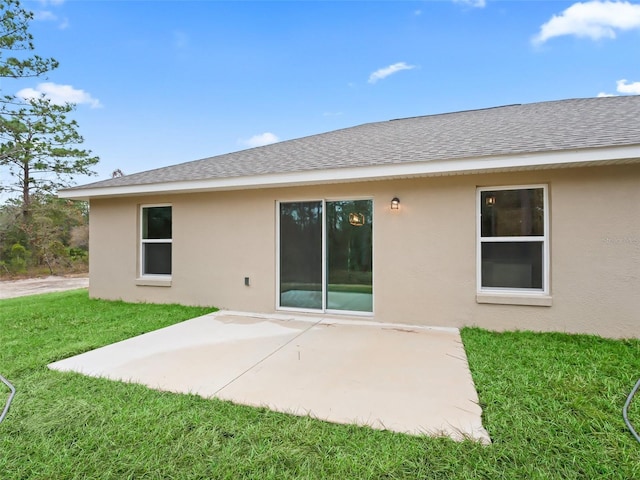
{"x": 53, "y": 237}
{"x": 39, "y": 152}
{"x": 39, "y": 148}
{"x": 17, "y": 59}
{"x": 15, "y": 37}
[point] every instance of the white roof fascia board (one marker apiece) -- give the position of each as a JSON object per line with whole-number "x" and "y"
{"x": 621, "y": 154}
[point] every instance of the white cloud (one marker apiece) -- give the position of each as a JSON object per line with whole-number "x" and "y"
{"x": 47, "y": 15}
{"x": 260, "y": 140}
{"x": 595, "y": 20}
{"x": 60, "y": 94}
{"x": 624, "y": 87}
{"x": 472, "y": 3}
{"x": 390, "y": 70}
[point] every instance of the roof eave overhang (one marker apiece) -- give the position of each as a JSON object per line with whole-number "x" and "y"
{"x": 462, "y": 166}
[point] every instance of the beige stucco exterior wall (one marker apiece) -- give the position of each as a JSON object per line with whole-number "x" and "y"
{"x": 424, "y": 254}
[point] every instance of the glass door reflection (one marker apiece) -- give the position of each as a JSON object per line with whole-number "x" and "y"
{"x": 334, "y": 274}
{"x": 301, "y": 255}
{"x": 349, "y": 258}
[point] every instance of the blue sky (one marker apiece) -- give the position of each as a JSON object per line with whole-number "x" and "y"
{"x": 164, "y": 82}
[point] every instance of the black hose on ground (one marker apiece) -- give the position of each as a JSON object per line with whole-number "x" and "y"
{"x": 11, "y": 395}
{"x": 626, "y": 407}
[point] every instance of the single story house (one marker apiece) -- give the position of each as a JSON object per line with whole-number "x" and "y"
{"x": 515, "y": 217}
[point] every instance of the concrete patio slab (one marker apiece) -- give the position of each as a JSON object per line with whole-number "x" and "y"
{"x": 402, "y": 378}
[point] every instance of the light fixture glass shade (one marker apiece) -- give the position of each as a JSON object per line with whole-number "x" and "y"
{"x": 356, "y": 219}
{"x": 395, "y": 203}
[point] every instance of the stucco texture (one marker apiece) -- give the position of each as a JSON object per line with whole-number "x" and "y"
{"x": 424, "y": 268}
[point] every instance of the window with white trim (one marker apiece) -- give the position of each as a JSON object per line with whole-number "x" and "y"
{"x": 513, "y": 232}
{"x": 156, "y": 239}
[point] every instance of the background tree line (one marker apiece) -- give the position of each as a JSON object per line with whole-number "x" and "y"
{"x": 39, "y": 153}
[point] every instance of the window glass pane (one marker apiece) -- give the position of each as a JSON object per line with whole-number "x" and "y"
{"x": 512, "y": 213}
{"x": 301, "y": 255}
{"x": 157, "y": 258}
{"x": 156, "y": 223}
{"x": 512, "y": 264}
{"x": 349, "y": 255}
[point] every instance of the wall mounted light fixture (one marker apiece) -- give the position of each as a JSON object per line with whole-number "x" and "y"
{"x": 395, "y": 203}
{"x": 356, "y": 219}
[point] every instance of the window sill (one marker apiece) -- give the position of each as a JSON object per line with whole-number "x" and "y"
{"x": 153, "y": 282}
{"x": 514, "y": 299}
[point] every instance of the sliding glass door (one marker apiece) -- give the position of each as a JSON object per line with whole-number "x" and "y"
{"x": 326, "y": 255}
{"x": 349, "y": 255}
{"x": 301, "y": 272}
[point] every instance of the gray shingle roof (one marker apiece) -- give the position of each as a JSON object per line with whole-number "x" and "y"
{"x": 514, "y": 129}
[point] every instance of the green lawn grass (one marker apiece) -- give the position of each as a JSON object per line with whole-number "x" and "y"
{"x": 552, "y": 405}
